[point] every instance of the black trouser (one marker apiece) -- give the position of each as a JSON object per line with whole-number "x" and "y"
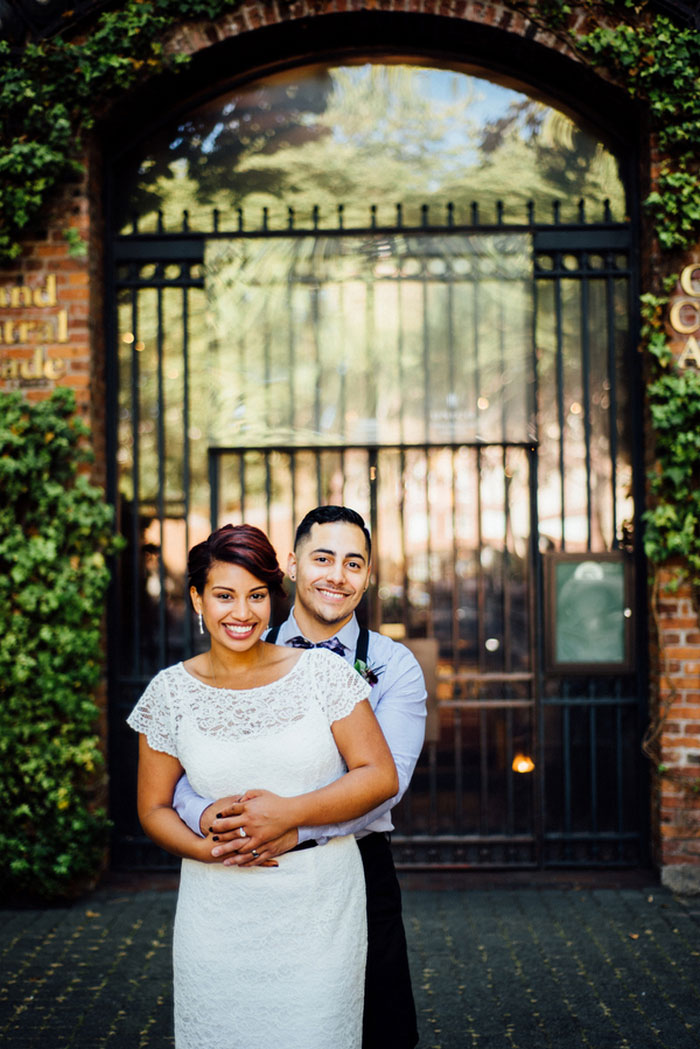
{"x": 390, "y": 1013}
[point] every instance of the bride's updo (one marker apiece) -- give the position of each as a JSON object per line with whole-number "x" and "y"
{"x": 243, "y": 545}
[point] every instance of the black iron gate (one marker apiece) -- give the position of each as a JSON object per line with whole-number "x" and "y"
{"x": 507, "y": 437}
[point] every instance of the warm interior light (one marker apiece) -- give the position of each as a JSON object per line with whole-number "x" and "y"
{"x": 523, "y": 763}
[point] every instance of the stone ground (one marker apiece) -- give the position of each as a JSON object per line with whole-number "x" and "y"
{"x": 498, "y": 963}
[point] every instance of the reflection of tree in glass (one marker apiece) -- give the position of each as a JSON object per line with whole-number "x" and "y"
{"x": 561, "y": 160}
{"x": 214, "y": 148}
{"x": 370, "y": 134}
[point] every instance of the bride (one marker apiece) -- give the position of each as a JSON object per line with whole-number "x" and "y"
{"x": 273, "y": 953}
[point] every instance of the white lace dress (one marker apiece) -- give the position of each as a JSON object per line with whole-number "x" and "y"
{"x": 264, "y": 957}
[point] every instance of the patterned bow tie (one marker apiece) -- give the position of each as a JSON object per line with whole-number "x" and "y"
{"x": 332, "y": 643}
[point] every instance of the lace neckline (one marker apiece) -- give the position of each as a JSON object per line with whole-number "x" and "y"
{"x": 256, "y": 688}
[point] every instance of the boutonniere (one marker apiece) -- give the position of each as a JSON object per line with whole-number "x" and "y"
{"x": 370, "y": 674}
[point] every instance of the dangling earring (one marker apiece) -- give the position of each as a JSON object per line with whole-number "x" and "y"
{"x": 201, "y": 622}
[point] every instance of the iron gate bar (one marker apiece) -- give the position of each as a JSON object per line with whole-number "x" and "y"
{"x": 136, "y": 481}
{"x": 585, "y": 379}
{"x": 612, "y": 381}
{"x": 161, "y": 475}
{"x": 559, "y": 351}
{"x": 186, "y": 479}
{"x": 179, "y": 246}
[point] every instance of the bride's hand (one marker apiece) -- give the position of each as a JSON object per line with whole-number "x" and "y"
{"x": 264, "y": 816}
{"x": 250, "y": 823}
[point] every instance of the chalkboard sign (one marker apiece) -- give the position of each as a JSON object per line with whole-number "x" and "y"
{"x": 588, "y": 613}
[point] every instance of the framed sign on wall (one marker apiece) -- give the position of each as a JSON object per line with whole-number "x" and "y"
{"x": 588, "y": 613}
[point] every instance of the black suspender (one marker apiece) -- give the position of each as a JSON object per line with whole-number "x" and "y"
{"x": 362, "y": 645}
{"x": 360, "y": 651}
{"x": 272, "y": 635}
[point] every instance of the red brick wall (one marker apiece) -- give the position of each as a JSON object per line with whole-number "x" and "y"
{"x": 45, "y": 256}
{"x": 678, "y": 727}
{"x": 79, "y": 291}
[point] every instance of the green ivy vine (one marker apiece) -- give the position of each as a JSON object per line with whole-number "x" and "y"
{"x": 53, "y": 91}
{"x": 55, "y": 536}
{"x": 672, "y": 524}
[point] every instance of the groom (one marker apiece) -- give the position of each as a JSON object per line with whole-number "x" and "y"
{"x": 330, "y": 567}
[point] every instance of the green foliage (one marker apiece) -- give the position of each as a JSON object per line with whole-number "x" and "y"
{"x": 55, "y": 535}
{"x": 672, "y": 524}
{"x": 658, "y": 60}
{"x": 51, "y": 93}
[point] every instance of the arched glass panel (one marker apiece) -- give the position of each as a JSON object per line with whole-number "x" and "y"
{"x": 368, "y": 134}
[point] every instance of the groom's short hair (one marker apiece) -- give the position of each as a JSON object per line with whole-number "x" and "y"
{"x": 329, "y": 515}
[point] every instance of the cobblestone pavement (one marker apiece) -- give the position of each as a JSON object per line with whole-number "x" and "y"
{"x": 531, "y": 966}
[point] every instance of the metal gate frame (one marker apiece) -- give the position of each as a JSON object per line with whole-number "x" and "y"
{"x": 184, "y": 250}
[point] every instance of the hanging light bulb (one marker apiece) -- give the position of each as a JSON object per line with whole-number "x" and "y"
{"x": 522, "y": 763}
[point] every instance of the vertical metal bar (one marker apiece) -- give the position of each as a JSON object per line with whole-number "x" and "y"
{"x": 319, "y": 478}
{"x": 425, "y": 278}
{"x": 136, "y": 566}
{"x": 535, "y": 606}
{"x": 343, "y": 363}
{"x": 405, "y": 605}
{"x": 291, "y": 364}
{"x": 268, "y": 491}
{"x": 291, "y": 342}
{"x": 371, "y": 385}
{"x": 214, "y": 467}
{"x": 507, "y": 603}
{"x": 593, "y": 767}
{"x": 186, "y": 471}
{"x": 560, "y": 395}
{"x": 317, "y": 356}
{"x": 374, "y": 479}
{"x": 429, "y": 542}
{"x": 586, "y": 382}
{"x": 484, "y": 825}
{"x": 432, "y": 786}
{"x": 535, "y": 610}
{"x": 619, "y": 778}
{"x": 476, "y": 369}
{"x": 400, "y": 355}
{"x": 612, "y": 409}
{"x": 459, "y": 771}
{"x": 480, "y": 584}
{"x": 242, "y": 483}
{"x": 509, "y": 774}
{"x": 454, "y": 646}
{"x": 451, "y": 376}
{"x": 162, "y": 618}
{"x": 267, "y": 366}
{"x": 566, "y": 756}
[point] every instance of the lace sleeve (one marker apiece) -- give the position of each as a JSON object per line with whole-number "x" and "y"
{"x": 153, "y": 715}
{"x": 339, "y": 688}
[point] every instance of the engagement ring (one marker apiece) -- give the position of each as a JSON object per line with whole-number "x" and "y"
{"x": 255, "y": 853}
{"x": 241, "y": 832}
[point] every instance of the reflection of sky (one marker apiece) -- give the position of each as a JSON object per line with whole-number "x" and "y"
{"x": 483, "y": 101}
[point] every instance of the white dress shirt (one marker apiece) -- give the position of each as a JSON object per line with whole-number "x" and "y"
{"x": 398, "y": 700}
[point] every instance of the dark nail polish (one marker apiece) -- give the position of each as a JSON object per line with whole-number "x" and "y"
{"x": 211, "y": 830}
{"x": 219, "y": 816}
{"x": 216, "y": 837}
